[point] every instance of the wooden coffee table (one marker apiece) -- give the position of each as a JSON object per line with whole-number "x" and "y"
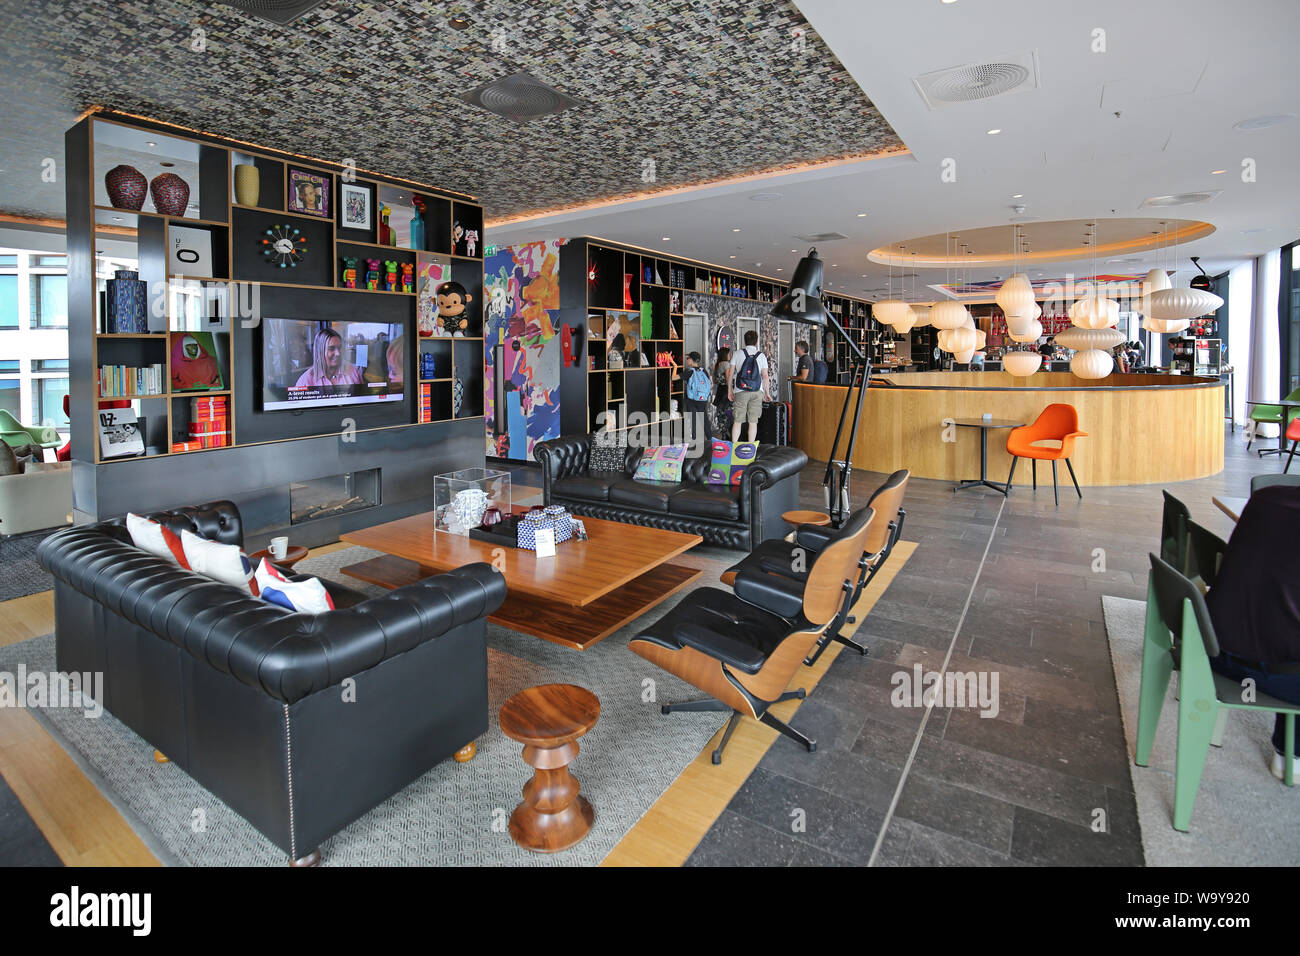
{"x": 586, "y": 592}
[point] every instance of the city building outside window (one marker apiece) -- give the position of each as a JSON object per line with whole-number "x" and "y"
{"x": 34, "y": 336}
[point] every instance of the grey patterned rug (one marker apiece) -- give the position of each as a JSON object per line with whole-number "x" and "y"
{"x": 22, "y": 575}
{"x": 1243, "y": 816}
{"x": 452, "y": 816}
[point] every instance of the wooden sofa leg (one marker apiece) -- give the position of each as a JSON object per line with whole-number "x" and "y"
{"x": 311, "y": 859}
{"x": 160, "y": 757}
{"x": 466, "y": 753}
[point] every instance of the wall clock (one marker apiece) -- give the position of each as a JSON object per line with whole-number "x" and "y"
{"x": 283, "y": 245}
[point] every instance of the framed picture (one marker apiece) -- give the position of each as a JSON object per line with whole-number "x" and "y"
{"x": 356, "y": 202}
{"x": 309, "y": 192}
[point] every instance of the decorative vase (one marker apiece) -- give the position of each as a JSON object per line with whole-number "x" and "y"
{"x": 457, "y": 396}
{"x": 248, "y": 185}
{"x": 417, "y": 230}
{"x": 627, "y": 291}
{"x": 124, "y": 303}
{"x": 171, "y": 194}
{"x": 126, "y": 187}
{"x": 469, "y": 507}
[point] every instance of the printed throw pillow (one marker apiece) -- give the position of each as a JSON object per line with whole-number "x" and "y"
{"x": 8, "y": 462}
{"x": 661, "y": 463}
{"x": 730, "y": 461}
{"x": 157, "y": 539}
{"x": 221, "y": 562}
{"x": 606, "y": 457}
{"x": 308, "y": 596}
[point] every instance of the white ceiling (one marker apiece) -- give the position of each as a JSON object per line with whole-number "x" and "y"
{"x": 1180, "y": 73}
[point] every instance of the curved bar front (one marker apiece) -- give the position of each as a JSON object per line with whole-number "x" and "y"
{"x": 1141, "y": 428}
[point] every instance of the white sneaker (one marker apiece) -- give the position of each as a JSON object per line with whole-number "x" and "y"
{"x": 1279, "y": 768}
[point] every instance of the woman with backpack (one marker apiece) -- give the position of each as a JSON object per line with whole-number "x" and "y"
{"x": 699, "y": 391}
{"x": 721, "y": 403}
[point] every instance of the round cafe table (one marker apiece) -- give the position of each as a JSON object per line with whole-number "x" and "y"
{"x": 985, "y": 425}
{"x": 292, "y": 556}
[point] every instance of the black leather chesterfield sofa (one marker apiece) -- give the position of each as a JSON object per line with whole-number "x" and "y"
{"x": 248, "y": 698}
{"x": 732, "y": 517}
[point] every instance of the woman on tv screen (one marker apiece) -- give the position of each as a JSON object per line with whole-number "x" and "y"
{"x": 329, "y": 365}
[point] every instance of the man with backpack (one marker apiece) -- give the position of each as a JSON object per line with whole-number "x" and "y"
{"x": 699, "y": 393}
{"x": 747, "y": 386}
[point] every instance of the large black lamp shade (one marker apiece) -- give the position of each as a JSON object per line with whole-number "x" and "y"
{"x": 803, "y": 303}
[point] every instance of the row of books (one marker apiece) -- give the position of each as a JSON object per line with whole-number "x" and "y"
{"x": 426, "y": 402}
{"x": 209, "y": 423}
{"x": 125, "y": 381}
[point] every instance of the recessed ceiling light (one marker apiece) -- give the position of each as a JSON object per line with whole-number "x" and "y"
{"x": 1018, "y": 196}
{"x": 949, "y": 1}
{"x": 1264, "y": 122}
{"x": 731, "y": 257}
{"x": 794, "y": 250}
{"x": 168, "y": 165}
{"x": 1217, "y": 172}
{"x": 667, "y": 238}
{"x": 458, "y": 22}
{"x": 861, "y": 214}
{"x": 1255, "y": 231}
{"x": 151, "y": 143}
{"x": 735, "y": 230}
{"x": 994, "y": 132}
{"x": 1181, "y": 199}
{"x": 117, "y": 218}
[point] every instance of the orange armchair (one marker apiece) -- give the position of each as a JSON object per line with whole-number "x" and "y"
{"x": 1057, "y": 423}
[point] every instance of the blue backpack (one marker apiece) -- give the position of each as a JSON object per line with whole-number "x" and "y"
{"x": 698, "y": 386}
{"x": 820, "y": 371}
{"x": 750, "y": 378}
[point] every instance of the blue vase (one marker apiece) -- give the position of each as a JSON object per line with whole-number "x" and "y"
{"x": 417, "y": 230}
{"x": 125, "y": 301}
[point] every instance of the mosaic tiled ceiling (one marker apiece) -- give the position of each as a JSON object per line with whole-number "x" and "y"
{"x": 673, "y": 92}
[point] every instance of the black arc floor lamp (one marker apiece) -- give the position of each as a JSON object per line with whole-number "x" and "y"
{"x": 803, "y": 304}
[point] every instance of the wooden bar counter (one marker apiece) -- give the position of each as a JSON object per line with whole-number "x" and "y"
{"x": 1141, "y": 428}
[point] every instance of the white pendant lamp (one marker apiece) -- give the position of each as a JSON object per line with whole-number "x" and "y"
{"x": 1083, "y": 339}
{"x": 1154, "y": 281}
{"x": 962, "y": 339}
{"x": 1163, "y": 327}
{"x": 1016, "y": 297}
{"x": 905, "y": 322}
{"x": 1180, "y": 303}
{"x": 1094, "y": 312}
{"x": 948, "y": 314}
{"x": 920, "y": 314}
{"x": 1092, "y": 363}
{"x": 890, "y": 311}
{"x": 1031, "y": 333}
{"x": 1021, "y": 364}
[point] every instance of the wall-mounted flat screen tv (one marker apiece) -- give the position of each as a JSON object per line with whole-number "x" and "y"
{"x": 312, "y": 364}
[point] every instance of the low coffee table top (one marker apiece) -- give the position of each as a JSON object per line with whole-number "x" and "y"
{"x": 549, "y": 715}
{"x": 580, "y": 572}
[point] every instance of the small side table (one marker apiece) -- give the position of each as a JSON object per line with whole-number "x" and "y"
{"x": 292, "y": 556}
{"x": 984, "y": 425}
{"x": 548, "y": 720}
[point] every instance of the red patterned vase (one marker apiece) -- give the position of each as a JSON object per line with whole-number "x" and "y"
{"x": 126, "y": 187}
{"x": 171, "y": 194}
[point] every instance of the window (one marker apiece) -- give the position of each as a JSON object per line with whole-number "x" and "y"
{"x": 8, "y": 301}
{"x": 47, "y": 401}
{"x": 10, "y": 365}
{"x": 10, "y": 398}
{"x": 50, "y": 365}
{"x": 50, "y": 262}
{"x": 49, "y": 302}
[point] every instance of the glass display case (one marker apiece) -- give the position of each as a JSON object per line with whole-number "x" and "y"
{"x": 470, "y": 497}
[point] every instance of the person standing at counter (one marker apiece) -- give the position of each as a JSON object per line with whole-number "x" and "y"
{"x": 803, "y": 368}
{"x": 1047, "y": 350}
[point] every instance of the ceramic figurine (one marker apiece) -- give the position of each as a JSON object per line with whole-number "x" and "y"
{"x": 471, "y": 240}
{"x": 372, "y": 274}
{"x": 350, "y": 272}
{"x": 457, "y": 237}
{"x": 390, "y": 275}
{"x": 408, "y": 277}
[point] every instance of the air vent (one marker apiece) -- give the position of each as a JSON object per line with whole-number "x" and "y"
{"x": 822, "y": 237}
{"x": 521, "y": 97}
{"x": 282, "y": 12}
{"x": 978, "y": 81}
{"x": 1180, "y": 199}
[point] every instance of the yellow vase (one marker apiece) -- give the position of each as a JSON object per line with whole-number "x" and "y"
{"x": 247, "y": 185}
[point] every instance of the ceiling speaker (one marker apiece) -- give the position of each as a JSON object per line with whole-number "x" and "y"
{"x": 978, "y": 81}
{"x": 282, "y": 12}
{"x": 521, "y": 97}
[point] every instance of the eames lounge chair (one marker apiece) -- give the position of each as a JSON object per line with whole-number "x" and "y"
{"x": 791, "y": 559}
{"x": 1058, "y": 422}
{"x": 1279, "y": 415}
{"x": 744, "y": 655}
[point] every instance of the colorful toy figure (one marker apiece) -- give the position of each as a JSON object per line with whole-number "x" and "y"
{"x": 408, "y": 277}
{"x": 453, "y": 300}
{"x": 350, "y": 272}
{"x": 457, "y": 237}
{"x": 390, "y": 275}
{"x": 471, "y": 240}
{"x": 372, "y": 273}
{"x": 387, "y": 236}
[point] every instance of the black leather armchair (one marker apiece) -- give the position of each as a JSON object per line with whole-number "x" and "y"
{"x": 732, "y": 517}
{"x": 249, "y": 698}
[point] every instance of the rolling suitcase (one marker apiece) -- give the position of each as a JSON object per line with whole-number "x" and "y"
{"x": 774, "y": 425}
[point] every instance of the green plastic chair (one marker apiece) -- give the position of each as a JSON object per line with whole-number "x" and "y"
{"x": 1178, "y": 624}
{"x": 1272, "y": 415}
{"x": 15, "y": 434}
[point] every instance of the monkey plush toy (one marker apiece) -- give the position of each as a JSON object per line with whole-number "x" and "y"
{"x": 453, "y": 301}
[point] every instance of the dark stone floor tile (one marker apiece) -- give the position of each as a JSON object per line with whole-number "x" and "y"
{"x": 1049, "y": 841}
{"x": 954, "y": 810}
{"x": 810, "y": 814}
{"x": 736, "y": 840}
{"x": 807, "y": 855}
{"x": 929, "y": 847}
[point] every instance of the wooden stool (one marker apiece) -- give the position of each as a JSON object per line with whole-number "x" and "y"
{"x": 806, "y": 517}
{"x": 548, "y": 720}
{"x": 292, "y": 556}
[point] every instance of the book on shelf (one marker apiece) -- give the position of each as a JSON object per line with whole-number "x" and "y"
{"x": 209, "y": 422}
{"x": 119, "y": 433}
{"x": 130, "y": 381}
{"x": 426, "y": 402}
